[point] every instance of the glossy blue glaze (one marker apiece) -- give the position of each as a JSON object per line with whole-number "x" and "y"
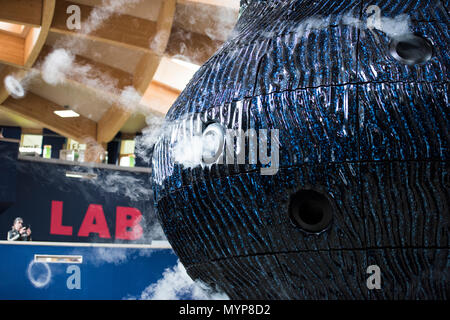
{"x": 356, "y": 125}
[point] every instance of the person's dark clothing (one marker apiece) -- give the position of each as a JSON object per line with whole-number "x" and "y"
{"x": 14, "y": 235}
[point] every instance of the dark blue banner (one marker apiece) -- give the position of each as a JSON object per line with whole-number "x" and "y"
{"x": 77, "y": 203}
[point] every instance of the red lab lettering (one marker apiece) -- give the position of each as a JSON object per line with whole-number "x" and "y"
{"x": 56, "y": 226}
{"x": 94, "y": 212}
{"x": 126, "y": 219}
{"x": 127, "y": 222}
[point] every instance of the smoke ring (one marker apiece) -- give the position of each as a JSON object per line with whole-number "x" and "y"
{"x": 35, "y": 282}
{"x": 14, "y": 87}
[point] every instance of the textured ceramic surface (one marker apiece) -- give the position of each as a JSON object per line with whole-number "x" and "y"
{"x": 365, "y": 130}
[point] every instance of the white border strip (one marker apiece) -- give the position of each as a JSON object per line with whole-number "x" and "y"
{"x": 84, "y": 164}
{"x": 49, "y": 258}
{"x": 153, "y": 245}
{"x": 10, "y": 140}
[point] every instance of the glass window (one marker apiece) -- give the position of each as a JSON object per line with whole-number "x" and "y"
{"x": 127, "y": 157}
{"x": 31, "y": 143}
{"x": 75, "y": 145}
{"x": 127, "y": 161}
{"x": 127, "y": 147}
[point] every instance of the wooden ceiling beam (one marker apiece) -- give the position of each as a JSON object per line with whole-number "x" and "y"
{"x": 32, "y": 44}
{"x": 26, "y": 12}
{"x": 218, "y": 3}
{"x": 32, "y": 131}
{"x": 135, "y": 33}
{"x": 114, "y": 119}
{"x": 195, "y": 47}
{"x": 111, "y": 123}
{"x": 160, "y": 97}
{"x": 3, "y": 74}
{"x": 19, "y": 51}
{"x": 35, "y": 40}
{"x": 12, "y": 49}
{"x": 119, "y": 30}
{"x": 148, "y": 64}
{"x": 41, "y": 111}
{"x": 9, "y": 70}
{"x": 120, "y": 78}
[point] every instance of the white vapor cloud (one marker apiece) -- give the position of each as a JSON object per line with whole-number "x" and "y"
{"x": 104, "y": 12}
{"x": 60, "y": 63}
{"x": 392, "y": 27}
{"x": 176, "y": 285}
{"x": 56, "y": 66}
{"x": 188, "y": 151}
{"x": 116, "y": 256}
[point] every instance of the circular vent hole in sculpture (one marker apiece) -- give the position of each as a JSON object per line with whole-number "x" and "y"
{"x": 310, "y": 210}
{"x": 411, "y": 49}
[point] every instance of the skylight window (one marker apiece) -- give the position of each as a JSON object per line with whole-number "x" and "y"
{"x": 12, "y": 27}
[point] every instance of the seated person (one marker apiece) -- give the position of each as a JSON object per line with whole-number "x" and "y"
{"x": 18, "y": 232}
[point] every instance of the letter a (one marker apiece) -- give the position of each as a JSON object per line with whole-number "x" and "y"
{"x": 374, "y": 281}
{"x": 94, "y": 222}
{"x": 74, "y": 280}
{"x": 73, "y": 21}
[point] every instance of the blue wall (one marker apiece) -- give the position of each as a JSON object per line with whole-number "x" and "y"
{"x": 28, "y": 189}
{"x": 55, "y": 140}
{"x": 11, "y": 132}
{"x": 8, "y": 174}
{"x": 8, "y": 154}
{"x": 105, "y": 273}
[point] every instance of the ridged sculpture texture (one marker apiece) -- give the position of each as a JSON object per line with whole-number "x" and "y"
{"x": 357, "y": 91}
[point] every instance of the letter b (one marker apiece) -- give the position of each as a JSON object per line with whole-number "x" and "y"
{"x": 128, "y": 223}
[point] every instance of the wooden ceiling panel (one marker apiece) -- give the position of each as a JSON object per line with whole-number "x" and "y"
{"x": 159, "y": 97}
{"x": 211, "y": 20}
{"x": 126, "y": 48}
{"x": 14, "y": 120}
{"x": 41, "y": 111}
{"x": 121, "y": 30}
{"x": 21, "y": 50}
{"x": 28, "y": 12}
{"x": 95, "y": 70}
{"x": 231, "y": 4}
{"x": 144, "y": 9}
{"x": 85, "y": 100}
{"x": 116, "y": 116}
{"x": 36, "y": 38}
{"x": 194, "y": 47}
{"x": 135, "y": 123}
{"x": 115, "y": 56}
{"x": 12, "y": 49}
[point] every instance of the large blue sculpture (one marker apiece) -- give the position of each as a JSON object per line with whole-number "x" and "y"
{"x": 358, "y": 204}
